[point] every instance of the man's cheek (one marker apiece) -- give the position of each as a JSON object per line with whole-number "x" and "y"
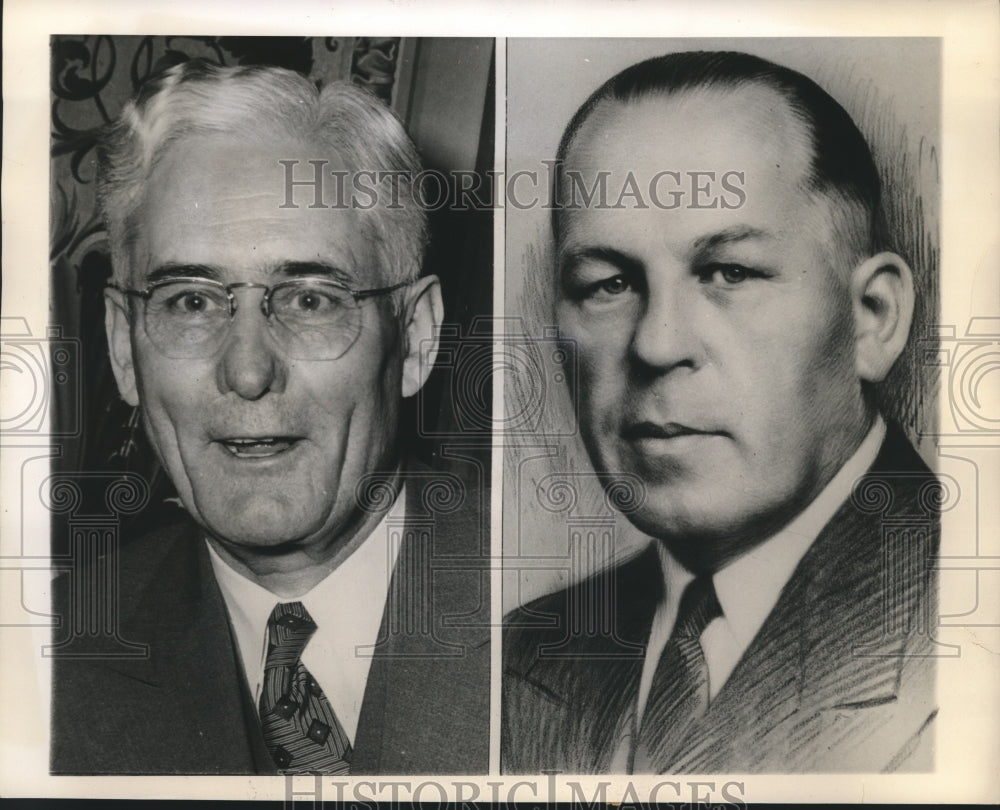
{"x": 177, "y": 432}
{"x": 595, "y": 361}
{"x": 177, "y": 409}
{"x": 597, "y": 411}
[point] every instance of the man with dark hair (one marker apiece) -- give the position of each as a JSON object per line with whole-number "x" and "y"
{"x": 841, "y": 164}
{"x": 728, "y": 346}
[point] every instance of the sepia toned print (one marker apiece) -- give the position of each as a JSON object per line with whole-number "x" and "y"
{"x": 593, "y": 404}
{"x": 286, "y": 601}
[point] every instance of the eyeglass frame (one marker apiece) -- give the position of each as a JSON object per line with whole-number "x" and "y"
{"x": 269, "y": 289}
{"x": 265, "y": 303}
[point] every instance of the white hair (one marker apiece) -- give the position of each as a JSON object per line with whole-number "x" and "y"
{"x": 197, "y": 97}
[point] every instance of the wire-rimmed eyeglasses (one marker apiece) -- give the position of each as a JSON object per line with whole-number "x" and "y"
{"x": 311, "y": 318}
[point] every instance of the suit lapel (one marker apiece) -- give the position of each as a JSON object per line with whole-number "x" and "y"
{"x": 197, "y": 720}
{"x": 584, "y": 678}
{"x": 828, "y": 683}
{"x": 426, "y": 702}
{"x": 824, "y": 650}
{"x": 637, "y": 589}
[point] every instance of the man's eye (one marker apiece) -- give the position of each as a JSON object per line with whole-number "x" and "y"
{"x": 193, "y": 302}
{"x": 726, "y": 273}
{"x": 311, "y": 302}
{"x": 615, "y": 285}
{"x": 608, "y": 287}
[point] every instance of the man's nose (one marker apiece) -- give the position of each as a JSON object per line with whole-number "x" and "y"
{"x": 251, "y": 364}
{"x": 665, "y": 336}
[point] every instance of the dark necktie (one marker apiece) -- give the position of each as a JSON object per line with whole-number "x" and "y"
{"x": 300, "y": 729}
{"x": 678, "y": 694}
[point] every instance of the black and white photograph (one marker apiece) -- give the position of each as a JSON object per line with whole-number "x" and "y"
{"x": 736, "y": 546}
{"x": 584, "y": 403}
{"x": 239, "y": 248}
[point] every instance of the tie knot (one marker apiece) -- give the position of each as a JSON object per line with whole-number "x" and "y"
{"x": 288, "y": 630}
{"x": 699, "y": 605}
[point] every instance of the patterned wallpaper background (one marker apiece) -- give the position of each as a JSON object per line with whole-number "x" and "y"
{"x": 91, "y": 79}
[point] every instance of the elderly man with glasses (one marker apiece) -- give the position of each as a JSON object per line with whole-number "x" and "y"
{"x": 293, "y": 622}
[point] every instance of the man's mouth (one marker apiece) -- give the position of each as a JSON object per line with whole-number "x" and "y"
{"x": 258, "y": 446}
{"x": 637, "y": 431}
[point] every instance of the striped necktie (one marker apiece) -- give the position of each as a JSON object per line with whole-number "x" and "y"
{"x": 679, "y": 692}
{"x": 300, "y": 728}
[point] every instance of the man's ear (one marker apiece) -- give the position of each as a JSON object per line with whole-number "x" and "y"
{"x": 422, "y": 315}
{"x": 883, "y": 300}
{"x": 116, "y": 324}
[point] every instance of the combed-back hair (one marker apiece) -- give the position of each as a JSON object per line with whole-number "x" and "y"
{"x": 259, "y": 102}
{"x": 842, "y": 166}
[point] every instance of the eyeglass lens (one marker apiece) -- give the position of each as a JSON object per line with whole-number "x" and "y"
{"x": 311, "y": 319}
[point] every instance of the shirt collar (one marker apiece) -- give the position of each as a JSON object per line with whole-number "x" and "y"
{"x": 769, "y": 565}
{"x": 347, "y": 606}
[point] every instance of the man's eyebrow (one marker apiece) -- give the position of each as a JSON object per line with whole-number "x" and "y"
{"x": 728, "y": 236}
{"x": 171, "y": 270}
{"x": 598, "y": 253}
{"x": 177, "y": 270}
{"x": 320, "y": 269}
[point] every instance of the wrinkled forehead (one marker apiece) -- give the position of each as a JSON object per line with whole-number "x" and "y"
{"x": 290, "y": 173}
{"x": 214, "y": 199}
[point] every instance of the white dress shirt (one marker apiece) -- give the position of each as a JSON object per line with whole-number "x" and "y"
{"x": 768, "y": 566}
{"x": 347, "y": 606}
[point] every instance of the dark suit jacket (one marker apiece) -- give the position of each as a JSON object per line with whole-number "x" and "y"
{"x": 839, "y": 678}
{"x": 186, "y": 706}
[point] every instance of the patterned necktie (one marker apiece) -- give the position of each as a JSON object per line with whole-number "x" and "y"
{"x": 679, "y": 692}
{"x": 300, "y": 729}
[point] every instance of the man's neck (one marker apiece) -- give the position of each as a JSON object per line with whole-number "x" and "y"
{"x": 294, "y": 569}
{"x": 707, "y": 555}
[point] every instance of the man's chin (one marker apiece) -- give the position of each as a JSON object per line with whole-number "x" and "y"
{"x": 266, "y": 541}
{"x": 694, "y": 540}
{"x": 670, "y": 523}
{"x": 698, "y": 533}
{"x": 670, "y": 517}
{"x": 267, "y": 526}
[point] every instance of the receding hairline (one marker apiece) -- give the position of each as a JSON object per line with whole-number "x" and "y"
{"x": 250, "y": 103}
{"x": 213, "y": 179}
{"x": 849, "y": 215}
{"x": 606, "y": 113}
